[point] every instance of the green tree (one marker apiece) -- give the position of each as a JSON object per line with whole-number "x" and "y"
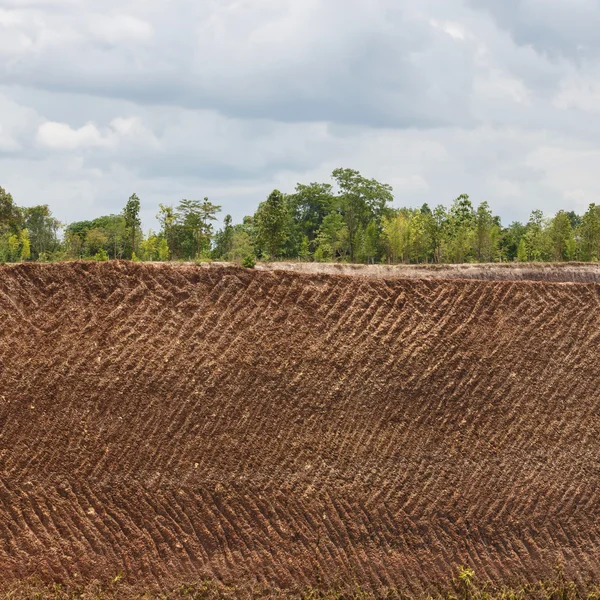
{"x": 308, "y": 207}
{"x": 14, "y": 247}
{"x": 10, "y": 216}
{"x": 95, "y": 239}
{"x": 224, "y": 239}
{"x": 535, "y": 236}
{"x": 241, "y": 246}
{"x": 333, "y": 238}
{"x": 561, "y": 237}
{"x": 131, "y": 212}
{"x": 396, "y": 232}
{"x": 167, "y": 219}
{"x": 487, "y": 231}
{"x": 149, "y": 247}
{"x": 360, "y": 201}
{"x": 589, "y": 232}
{"x": 25, "y": 245}
{"x": 43, "y": 230}
{"x": 510, "y": 241}
{"x": 163, "y": 250}
{"x": 522, "y": 251}
{"x": 460, "y": 229}
{"x": 271, "y": 220}
{"x": 195, "y": 227}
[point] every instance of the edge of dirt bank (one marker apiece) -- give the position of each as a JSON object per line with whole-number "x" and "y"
{"x": 571, "y": 272}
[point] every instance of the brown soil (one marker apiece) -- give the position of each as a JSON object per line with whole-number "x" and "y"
{"x": 295, "y": 430}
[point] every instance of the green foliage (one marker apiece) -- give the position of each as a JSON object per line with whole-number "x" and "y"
{"x": 131, "y": 212}
{"x": 350, "y": 219}
{"x": 25, "y": 245}
{"x": 271, "y": 220}
{"x": 241, "y": 246}
{"x": 42, "y": 228}
{"x": 101, "y": 255}
{"x": 163, "y": 250}
{"x": 360, "y": 201}
{"x": 188, "y": 228}
{"x": 522, "y": 251}
{"x": 249, "y": 261}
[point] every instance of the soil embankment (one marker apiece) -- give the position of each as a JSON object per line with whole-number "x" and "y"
{"x": 172, "y": 423}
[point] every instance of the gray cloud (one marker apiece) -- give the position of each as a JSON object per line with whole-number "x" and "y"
{"x": 234, "y": 97}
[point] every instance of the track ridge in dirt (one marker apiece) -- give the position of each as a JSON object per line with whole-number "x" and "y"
{"x": 174, "y": 422}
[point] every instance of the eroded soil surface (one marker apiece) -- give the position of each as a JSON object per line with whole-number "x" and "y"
{"x": 295, "y": 430}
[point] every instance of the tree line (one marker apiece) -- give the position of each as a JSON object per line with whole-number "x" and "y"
{"x": 350, "y": 219}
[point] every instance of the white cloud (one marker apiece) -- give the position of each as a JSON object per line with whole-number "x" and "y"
{"x": 61, "y": 136}
{"x": 232, "y": 98}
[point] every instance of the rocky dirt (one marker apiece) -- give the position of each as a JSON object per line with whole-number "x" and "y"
{"x": 292, "y": 430}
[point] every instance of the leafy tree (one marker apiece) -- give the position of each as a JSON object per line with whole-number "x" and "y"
{"x": 360, "y": 201}
{"x": 10, "y": 215}
{"x": 271, "y": 219}
{"x": 396, "y": 231}
{"x": 522, "y": 251}
{"x": 333, "y": 238}
{"x": 95, "y": 239}
{"x": 224, "y": 239}
{"x": 131, "y": 212}
{"x": 25, "y": 245}
{"x": 561, "y": 236}
{"x": 510, "y": 242}
{"x": 167, "y": 219}
{"x": 309, "y": 205}
{"x": 418, "y": 234}
{"x": 193, "y": 218}
{"x": 487, "y": 232}
{"x": 436, "y": 226}
{"x": 460, "y": 230}
{"x": 149, "y": 247}
{"x": 535, "y": 236}
{"x": 14, "y": 247}
{"x": 589, "y": 231}
{"x": 163, "y": 250}
{"x": 241, "y": 246}
{"x": 43, "y": 229}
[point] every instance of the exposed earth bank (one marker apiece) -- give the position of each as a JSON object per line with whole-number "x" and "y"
{"x": 297, "y": 429}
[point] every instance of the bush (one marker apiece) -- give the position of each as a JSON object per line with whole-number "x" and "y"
{"x": 249, "y": 262}
{"x": 101, "y": 255}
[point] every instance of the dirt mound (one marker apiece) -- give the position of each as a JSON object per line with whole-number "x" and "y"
{"x": 172, "y": 423}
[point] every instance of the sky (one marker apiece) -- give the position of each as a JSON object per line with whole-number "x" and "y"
{"x": 232, "y": 98}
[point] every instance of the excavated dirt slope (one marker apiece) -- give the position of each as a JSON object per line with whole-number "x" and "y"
{"x": 172, "y": 423}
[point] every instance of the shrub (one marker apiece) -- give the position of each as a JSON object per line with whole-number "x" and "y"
{"x": 101, "y": 255}
{"x": 249, "y": 262}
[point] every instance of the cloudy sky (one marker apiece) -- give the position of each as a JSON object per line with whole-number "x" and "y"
{"x": 229, "y": 99}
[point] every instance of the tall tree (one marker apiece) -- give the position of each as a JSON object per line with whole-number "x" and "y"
{"x": 131, "y": 212}
{"x": 487, "y": 230}
{"x": 561, "y": 236}
{"x": 535, "y": 236}
{"x": 361, "y": 201}
{"x": 194, "y": 219}
{"x": 271, "y": 220}
{"x": 589, "y": 230}
{"x": 43, "y": 230}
